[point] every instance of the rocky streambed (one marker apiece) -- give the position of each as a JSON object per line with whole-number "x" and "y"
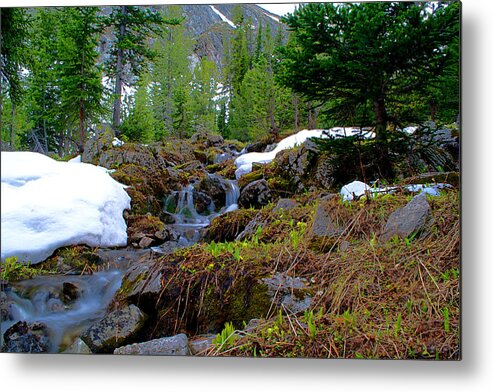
{"x": 203, "y": 249}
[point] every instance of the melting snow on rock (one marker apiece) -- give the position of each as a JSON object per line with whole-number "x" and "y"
{"x": 48, "y": 204}
{"x": 244, "y": 162}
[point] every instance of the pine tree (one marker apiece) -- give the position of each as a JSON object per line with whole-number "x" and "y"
{"x": 204, "y": 88}
{"x": 133, "y": 26}
{"x": 42, "y": 93}
{"x": 14, "y": 24}
{"x": 171, "y": 74}
{"x": 355, "y": 56}
{"x": 79, "y": 78}
{"x": 140, "y": 125}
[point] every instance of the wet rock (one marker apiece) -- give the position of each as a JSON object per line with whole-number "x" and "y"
{"x": 174, "y": 345}
{"x": 114, "y": 329}
{"x": 142, "y": 281}
{"x": 290, "y": 293}
{"x": 414, "y": 219}
{"x": 146, "y": 242}
{"x": 4, "y": 306}
{"x": 220, "y": 158}
{"x": 202, "y": 202}
{"x": 78, "y": 347}
{"x": 70, "y": 292}
{"x": 201, "y": 344}
{"x": 209, "y": 139}
{"x": 285, "y": 204}
{"x": 24, "y": 337}
{"x": 214, "y": 187}
{"x": 256, "y": 194}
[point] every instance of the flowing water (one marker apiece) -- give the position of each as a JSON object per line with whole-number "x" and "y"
{"x": 69, "y": 304}
{"x": 187, "y": 221}
{"x": 47, "y": 299}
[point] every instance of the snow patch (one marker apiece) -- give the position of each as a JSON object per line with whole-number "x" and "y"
{"x": 244, "y": 162}
{"x": 117, "y": 142}
{"x": 272, "y": 17}
{"x": 223, "y": 18}
{"x": 356, "y": 189}
{"x": 48, "y": 204}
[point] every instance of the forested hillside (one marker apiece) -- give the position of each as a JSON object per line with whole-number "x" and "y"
{"x": 153, "y": 72}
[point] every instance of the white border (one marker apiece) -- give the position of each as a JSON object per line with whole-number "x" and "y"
{"x": 473, "y": 373}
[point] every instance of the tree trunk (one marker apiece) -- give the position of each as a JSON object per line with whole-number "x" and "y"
{"x": 169, "y": 101}
{"x": 296, "y": 104}
{"x": 12, "y": 131}
{"x": 117, "y": 105}
{"x": 312, "y": 116}
{"x": 82, "y": 130}
{"x": 433, "y": 110}
{"x": 380, "y": 116}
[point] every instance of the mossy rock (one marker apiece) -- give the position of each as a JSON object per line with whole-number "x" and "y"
{"x": 226, "y": 227}
{"x": 249, "y": 178}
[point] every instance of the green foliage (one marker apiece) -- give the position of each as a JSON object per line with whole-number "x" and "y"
{"x": 12, "y": 270}
{"x": 446, "y": 319}
{"x": 357, "y": 58}
{"x": 78, "y": 74}
{"x": 140, "y": 125}
{"x": 130, "y": 52}
{"x": 297, "y": 233}
{"x": 226, "y": 338}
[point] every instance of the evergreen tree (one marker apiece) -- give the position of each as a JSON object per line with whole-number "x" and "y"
{"x": 14, "y": 24}
{"x": 171, "y": 73}
{"x": 43, "y": 94}
{"x": 204, "y": 88}
{"x": 79, "y": 76}
{"x": 355, "y": 56}
{"x": 133, "y": 26}
{"x": 140, "y": 125}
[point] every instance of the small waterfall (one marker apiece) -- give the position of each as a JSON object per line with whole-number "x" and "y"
{"x": 188, "y": 222}
{"x": 232, "y": 196}
{"x": 44, "y": 299}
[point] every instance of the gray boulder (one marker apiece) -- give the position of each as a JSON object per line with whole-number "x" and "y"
{"x": 201, "y": 344}
{"x": 285, "y": 204}
{"x": 116, "y": 328}
{"x": 214, "y": 187}
{"x": 174, "y": 345}
{"x": 414, "y": 219}
{"x": 323, "y": 231}
{"x": 256, "y": 194}
{"x": 287, "y": 292}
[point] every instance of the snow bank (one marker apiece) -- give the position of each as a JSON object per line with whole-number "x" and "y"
{"x": 47, "y": 204}
{"x": 357, "y": 189}
{"x": 354, "y": 189}
{"x": 244, "y": 162}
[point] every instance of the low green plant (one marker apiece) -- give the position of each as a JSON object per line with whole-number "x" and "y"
{"x": 446, "y": 320}
{"x": 398, "y": 325}
{"x": 12, "y": 270}
{"x": 226, "y": 338}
